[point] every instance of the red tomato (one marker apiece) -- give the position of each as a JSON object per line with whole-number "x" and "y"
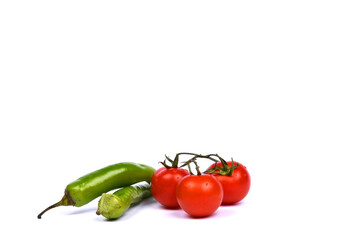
{"x": 199, "y": 195}
{"x": 236, "y": 186}
{"x": 163, "y": 185}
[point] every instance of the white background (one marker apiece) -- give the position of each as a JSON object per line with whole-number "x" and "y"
{"x": 273, "y": 84}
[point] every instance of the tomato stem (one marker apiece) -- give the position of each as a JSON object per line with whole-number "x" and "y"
{"x": 175, "y": 162}
{"x": 193, "y": 160}
{"x": 197, "y": 168}
{"x": 232, "y": 167}
{"x": 225, "y": 169}
{"x": 209, "y": 156}
{"x": 191, "y": 173}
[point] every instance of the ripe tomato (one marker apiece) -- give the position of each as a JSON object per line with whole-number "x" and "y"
{"x": 199, "y": 195}
{"x": 236, "y": 186}
{"x": 163, "y": 185}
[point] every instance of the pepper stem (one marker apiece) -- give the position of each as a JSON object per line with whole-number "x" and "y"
{"x": 65, "y": 201}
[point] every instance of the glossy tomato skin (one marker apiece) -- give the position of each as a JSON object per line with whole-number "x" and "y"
{"x": 236, "y": 186}
{"x": 199, "y": 195}
{"x": 163, "y": 185}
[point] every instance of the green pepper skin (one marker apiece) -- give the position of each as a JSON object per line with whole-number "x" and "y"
{"x": 92, "y": 185}
{"x": 113, "y": 206}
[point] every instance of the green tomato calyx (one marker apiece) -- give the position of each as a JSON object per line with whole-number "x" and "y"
{"x": 225, "y": 169}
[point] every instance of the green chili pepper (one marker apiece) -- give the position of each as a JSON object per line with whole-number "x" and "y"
{"x": 114, "y": 205}
{"x": 92, "y": 185}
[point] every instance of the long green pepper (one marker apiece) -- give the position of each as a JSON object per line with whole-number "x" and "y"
{"x": 88, "y": 187}
{"x": 114, "y": 205}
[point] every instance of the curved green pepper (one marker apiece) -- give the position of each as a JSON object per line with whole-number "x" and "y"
{"x": 92, "y": 185}
{"x": 114, "y": 205}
